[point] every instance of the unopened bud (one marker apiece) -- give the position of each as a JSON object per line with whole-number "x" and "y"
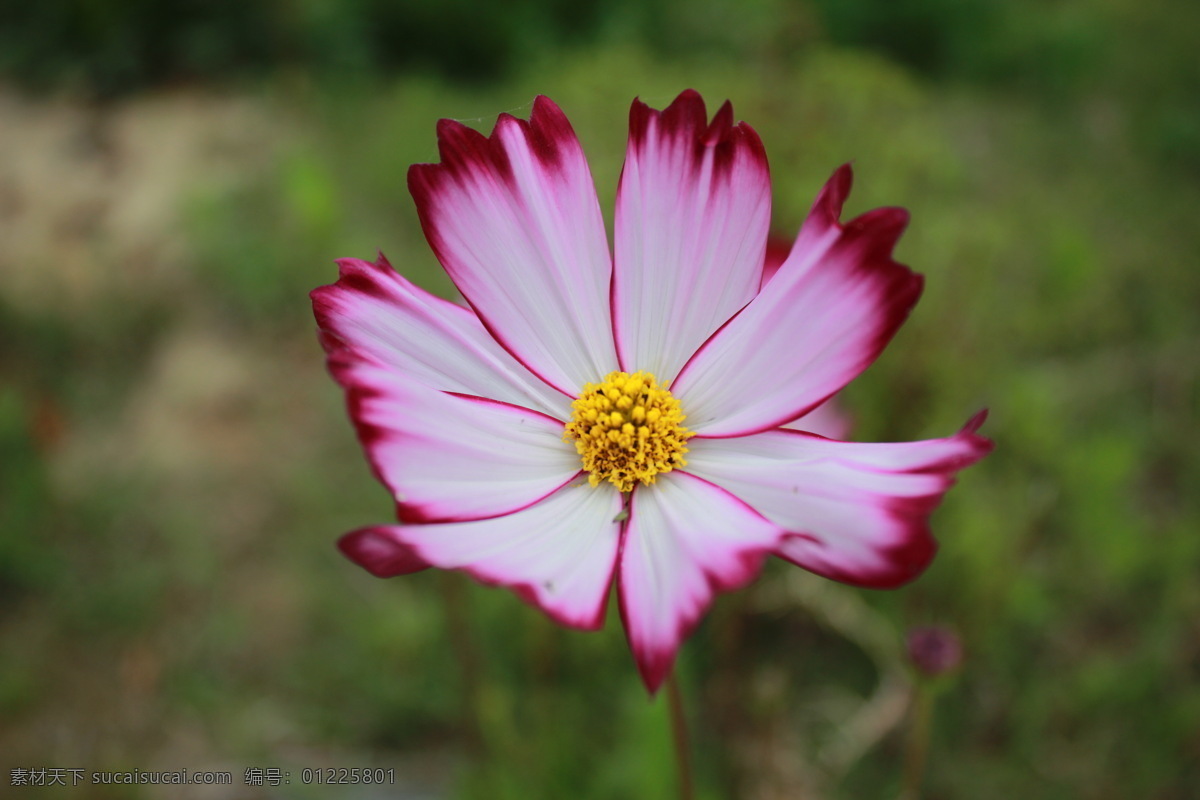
{"x": 934, "y": 650}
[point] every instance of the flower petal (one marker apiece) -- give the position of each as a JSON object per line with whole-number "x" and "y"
{"x": 819, "y": 322}
{"x": 685, "y": 540}
{"x": 451, "y": 457}
{"x": 778, "y": 249}
{"x": 380, "y": 554}
{"x": 828, "y": 420}
{"x": 375, "y": 311}
{"x": 693, "y": 207}
{"x": 515, "y": 221}
{"x": 557, "y": 554}
{"x": 822, "y": 226}
{"x": 855, "y": 512}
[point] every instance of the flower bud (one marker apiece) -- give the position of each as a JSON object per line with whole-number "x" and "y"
{"x": 934, "y": 650}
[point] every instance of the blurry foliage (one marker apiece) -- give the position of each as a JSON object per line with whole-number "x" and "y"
{"x": 1068, "y": 53}
{"x": 1138, "y": 53}
{"x": 114, "y": 46}
{"x": 24, "y": 499}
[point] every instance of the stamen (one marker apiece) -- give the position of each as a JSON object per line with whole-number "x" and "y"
{"x": 627, "y": 429}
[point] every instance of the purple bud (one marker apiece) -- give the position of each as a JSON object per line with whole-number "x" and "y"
{"x": 934, "y": 650}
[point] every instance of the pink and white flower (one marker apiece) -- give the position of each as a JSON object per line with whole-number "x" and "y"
{"x": 640, "y": 416}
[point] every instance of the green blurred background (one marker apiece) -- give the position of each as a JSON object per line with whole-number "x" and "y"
{"x": 175, "y": 177}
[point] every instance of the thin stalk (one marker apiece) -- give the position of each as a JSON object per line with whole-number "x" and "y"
{"x": 462, "y": 642}
{"x": 679, "y": 735}
{"x": 916, "y": 751}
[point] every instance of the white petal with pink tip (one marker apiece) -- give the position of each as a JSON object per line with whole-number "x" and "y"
{"x": 447, "y": 457}
{"x": 686, "y": 539}
{"x": 515, "y": 221}
{"x": 558, "y": 554}
{"x": 693, "y": 207}
{"x": 375, "y": 311}
{"x": 819, "y": 322}
{"x": 856, "y": 512}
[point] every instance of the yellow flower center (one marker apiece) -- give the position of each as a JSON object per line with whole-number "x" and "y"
{"x": 627, "y": 429}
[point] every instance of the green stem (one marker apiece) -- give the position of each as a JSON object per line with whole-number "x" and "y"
{"x": 916, "y": 751}
{"x": 679, "y": 735}
{"x": 463, "y": 645}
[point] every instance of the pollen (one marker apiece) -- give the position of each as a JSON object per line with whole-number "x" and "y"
{"x": 627, "y": 429}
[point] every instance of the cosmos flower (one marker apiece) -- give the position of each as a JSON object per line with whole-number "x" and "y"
{"x": 635, "y": 418}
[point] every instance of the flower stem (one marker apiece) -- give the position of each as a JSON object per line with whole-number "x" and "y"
{"x": 679, "y": 734}
{"x": 462, "y": 643}
{"x": 917, "y": 750}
